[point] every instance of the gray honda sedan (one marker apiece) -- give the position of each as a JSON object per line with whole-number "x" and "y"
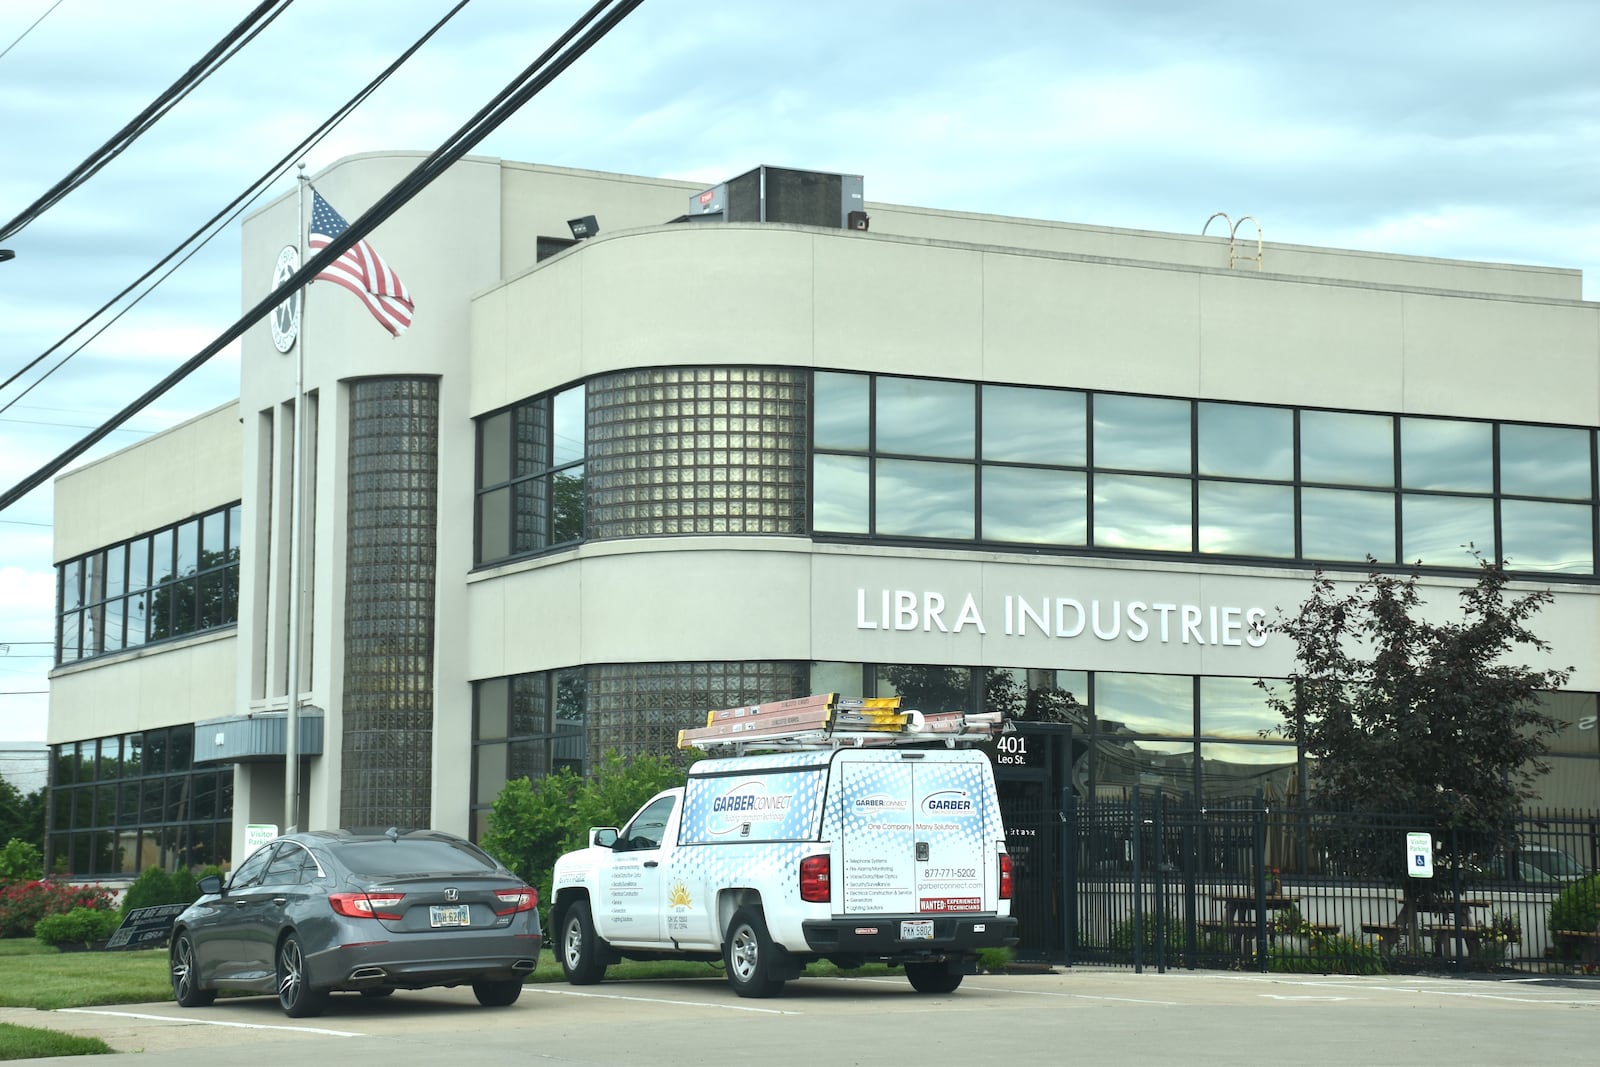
{"x": 311, "y": 913}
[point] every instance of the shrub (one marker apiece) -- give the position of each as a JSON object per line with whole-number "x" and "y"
{"x": 1577, "y": 908}
{"x": 80, "y": 926}
{"x": 20, "y": 861}
{"x": 1122, "y": 934}
{"x": 1330, "y": 954}
{"x": 185, "y": 887}
{"x": 153, "y": 886}
{"x": 22, "y": 905}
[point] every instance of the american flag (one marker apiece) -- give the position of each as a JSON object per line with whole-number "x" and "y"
{"x": 360, "y": 270}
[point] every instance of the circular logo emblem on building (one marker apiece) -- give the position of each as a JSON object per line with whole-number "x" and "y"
{"x": 286, "y": 316}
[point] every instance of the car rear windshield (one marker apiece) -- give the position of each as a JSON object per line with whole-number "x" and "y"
{"x": 413, "y": 857}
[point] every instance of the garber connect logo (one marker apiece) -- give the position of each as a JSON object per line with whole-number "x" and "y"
{"x": 748, "y": 802}
{"x": 879, "y": 802}
{"x": 947, "y": 802}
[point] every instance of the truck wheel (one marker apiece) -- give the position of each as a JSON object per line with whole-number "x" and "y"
{"x": 580, "y": 946}
{"x": 935, "y": 977}
{"x": 750, "y": 955}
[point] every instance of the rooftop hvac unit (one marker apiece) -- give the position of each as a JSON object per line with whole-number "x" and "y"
{"x": 776, "y": 194}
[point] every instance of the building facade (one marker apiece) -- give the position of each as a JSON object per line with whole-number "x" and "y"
{"x": 769, "y": 439}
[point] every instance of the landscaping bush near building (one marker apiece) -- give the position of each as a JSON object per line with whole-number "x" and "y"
{"x": 1576, "y": 909}
{"x": 20, "y": 861}
{"x": 23, "y": 904}
{"x": 1326, "y": 954}
{"x": 80, "y": 926}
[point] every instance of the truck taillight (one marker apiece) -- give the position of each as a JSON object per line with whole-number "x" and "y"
{"x": 367, "y": 905}
{"x": 1005, "y": 876}
{"x": 816, "y": 880}
{"x": 515, "y": 900}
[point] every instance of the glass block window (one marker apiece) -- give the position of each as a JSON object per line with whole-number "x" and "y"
{"x": 387, "y": 776}
{"x": 697, "y": 450}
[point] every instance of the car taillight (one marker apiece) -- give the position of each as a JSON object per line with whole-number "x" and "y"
{"x": 515, "y": 900}
{"x": 1005, "y": 876}
{"x": 367, "y": 905}
{"x": 816, "y": 881}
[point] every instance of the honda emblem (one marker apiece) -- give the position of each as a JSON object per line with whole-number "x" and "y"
{"x": 452, "y": 894}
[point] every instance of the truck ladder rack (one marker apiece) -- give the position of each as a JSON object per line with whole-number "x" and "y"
{"x": 827, "y": 721}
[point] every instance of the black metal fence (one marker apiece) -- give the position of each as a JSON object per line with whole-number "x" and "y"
{"x": 1158, "y": 881}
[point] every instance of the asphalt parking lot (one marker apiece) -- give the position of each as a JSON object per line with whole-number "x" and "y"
{"x": 1077, "y": 1015}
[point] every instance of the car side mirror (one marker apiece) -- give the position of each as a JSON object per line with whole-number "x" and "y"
{"x": 211, "y": 885}
{"x": 603, "y": 836}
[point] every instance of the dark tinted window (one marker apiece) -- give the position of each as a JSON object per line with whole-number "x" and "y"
{"x": 413, "y": 856}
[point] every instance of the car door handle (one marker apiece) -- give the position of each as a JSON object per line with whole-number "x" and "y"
{"x": 280, "y": 901}
{"x": 651, "y": 863}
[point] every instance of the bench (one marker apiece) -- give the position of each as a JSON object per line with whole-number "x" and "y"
{"x": 1386, "y": 932}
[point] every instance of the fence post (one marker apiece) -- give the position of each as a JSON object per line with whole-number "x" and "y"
{"x": 1191, "y": 942}
{"x": 1261, "y": 880}
{"x": 1069, "y": 873}
{"x": 1135, "y": 854}
{"x": 1160, "y": 886}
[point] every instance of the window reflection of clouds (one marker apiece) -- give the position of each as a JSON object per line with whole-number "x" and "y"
{"x": 1234, "y": 707}
{"x": 918, "y": 499}
{"x": 839, "y": 493}
{"x": 1034, "y": 506}
{"x": 1144, "y": 703}
{"x": 841, "y": 417}
{"x": 1132, "y": 511}
{"x": 1141, "y": 433}
{"x": 1246, "y": 442}
{"x": 568, "y": 419}
{"x": 1552, "y": 538}
{"x": 1343, "y": 448}
{"x": 926, "y": 418}
{"x": 1446, "y": 454}
{"x": 1346, "y": 524}
{"x": 1241, "y": 519}
{"x": 1238, "y": 771}
{"x": 1033, "y": 425}
{"x": 1437, "y": 529}
{"x": 1545, "y": 461}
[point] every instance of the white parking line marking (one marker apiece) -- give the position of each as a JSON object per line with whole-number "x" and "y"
{"x": 213, "y": 1022}
{"x": 1281, "y": 996}
{"x": 1031, "y": 992}
{"x": 1418, "y": 989}
{"x": 658, "y": 1000}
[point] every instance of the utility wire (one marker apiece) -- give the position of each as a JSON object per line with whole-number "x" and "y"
{"x": 240, "y": 204}
{"x": 29, "y": 30}
{"x": 224, "y": 50}
{"x": 545, "y": 69}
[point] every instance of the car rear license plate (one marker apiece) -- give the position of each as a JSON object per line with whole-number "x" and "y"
{"x": 916, "y": 930}
{"x": 449, "y": 915}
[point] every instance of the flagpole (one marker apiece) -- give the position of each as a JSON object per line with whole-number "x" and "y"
{"x": 291, "y": 748}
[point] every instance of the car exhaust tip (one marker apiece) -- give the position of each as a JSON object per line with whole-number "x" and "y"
{"x": 524, "y": 966}
{"x": 368, "y": 974}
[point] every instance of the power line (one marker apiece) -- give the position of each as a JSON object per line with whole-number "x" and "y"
{"x": 545, "y": 69}
{"x": 232, "y": 211}
{"x": 253, "y": 23}
{"x": 29, "y": 30}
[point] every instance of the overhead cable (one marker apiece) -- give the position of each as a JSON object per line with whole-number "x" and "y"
{"x": 242, "y": 34}
{"x": 232, "y": 211}
{"x": 545, "y": 69}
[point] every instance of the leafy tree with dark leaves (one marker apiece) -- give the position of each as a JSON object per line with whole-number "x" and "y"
{"x": 1436, "y": 725}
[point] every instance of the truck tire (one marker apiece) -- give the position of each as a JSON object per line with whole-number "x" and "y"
{"x": 941, "y": 977}
{"x": 580, "y": 947}
{"x": 750, "y": 955}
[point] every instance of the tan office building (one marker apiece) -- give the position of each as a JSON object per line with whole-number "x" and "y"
{"x": 770, "y": 439}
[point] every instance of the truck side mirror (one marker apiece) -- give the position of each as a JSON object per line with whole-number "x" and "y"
{"x": 603, "y": 836}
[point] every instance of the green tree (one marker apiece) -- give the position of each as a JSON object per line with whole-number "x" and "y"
{"x": 533, "y": 822}
{"x": 1437, "y": 725}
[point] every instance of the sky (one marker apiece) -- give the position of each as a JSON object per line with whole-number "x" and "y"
{"x": 1463, "y": 129}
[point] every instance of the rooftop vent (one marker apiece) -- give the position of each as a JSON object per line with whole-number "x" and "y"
{"x": 776, "y": 194}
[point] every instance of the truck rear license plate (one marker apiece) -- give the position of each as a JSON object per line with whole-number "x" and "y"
{"x": 449, "y": 915}
{"x": 916, "y": 930}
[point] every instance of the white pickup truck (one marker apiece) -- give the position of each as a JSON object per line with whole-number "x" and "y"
{"x": 771, "y": 861}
